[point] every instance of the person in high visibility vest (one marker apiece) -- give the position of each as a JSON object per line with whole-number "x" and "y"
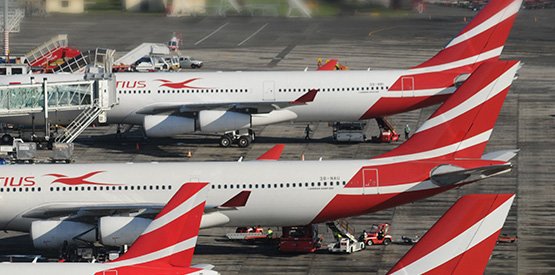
{"x": 337, "y": 236}
{"x": 407, "y": 132}
{"x": 270, "y": 233}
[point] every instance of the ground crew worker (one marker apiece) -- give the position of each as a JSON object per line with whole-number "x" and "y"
{"x": 407, "y": 132}
{"x": 319, "y": 62}
{"x": 118, "y": 131}
{"x": 337, "y": 236}
{"x": 307, "y": 130}
{"x": 270, "y": 233}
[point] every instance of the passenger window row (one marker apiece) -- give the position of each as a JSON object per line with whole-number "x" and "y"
{"x": 20, "y": 189}
{"x": 353, "y": 89}
{"x": 276, "y": 185}
{"x": 207, "y": 91}
{"x": 111, "y": 188}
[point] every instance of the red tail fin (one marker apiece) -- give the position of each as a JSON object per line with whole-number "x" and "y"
{"x": 273, "y": 154}
{"x": 462, "y": 240}
{"x": 171, "y": 237}
{"x": 329, "y": 66}
{"x": 482, "y": 39}
{"x": 461, "y": 127}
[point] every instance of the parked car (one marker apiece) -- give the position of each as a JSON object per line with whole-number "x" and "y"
{"x": 189, "y": 62}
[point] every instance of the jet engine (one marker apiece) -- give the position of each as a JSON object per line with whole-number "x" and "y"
{"x": 118, "y": 231}
{"x": 166, "y": 125}
{"x": 52, "y": 234}
{"x": 221, "y": 121}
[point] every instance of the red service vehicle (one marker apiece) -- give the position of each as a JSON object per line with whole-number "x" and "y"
{"x": 387, "y": 132}
{"x": 301, "y": 239}
{"x": 378, "y": 234}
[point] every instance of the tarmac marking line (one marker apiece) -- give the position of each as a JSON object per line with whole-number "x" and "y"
{"x": 252, "y": 35}
{"x": 212, "y": 33}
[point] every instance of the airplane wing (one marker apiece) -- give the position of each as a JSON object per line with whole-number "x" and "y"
{"x": 329, "y": 66}
{"x": 85, "y": 211}
{"x": 248, "y": 107}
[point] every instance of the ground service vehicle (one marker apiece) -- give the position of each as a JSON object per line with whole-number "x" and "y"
{"x": 349, "y": 131}
{"x": 300, "y": 239}
{"x": 378, "y": 234}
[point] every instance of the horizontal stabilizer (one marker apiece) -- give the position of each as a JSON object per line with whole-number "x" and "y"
{"x": 203, "y": 266}
{"x": 447, "y": 175}
{"x": 273, "y": 154}
{"x": 239, "y": 200}
{"x": 504, "y": 155}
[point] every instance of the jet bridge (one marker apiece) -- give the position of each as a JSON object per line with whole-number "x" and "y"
{"x": 90, "y": 93}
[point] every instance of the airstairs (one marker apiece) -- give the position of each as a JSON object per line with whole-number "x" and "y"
{"x": 99, "y": 58}
{"x": 81, "y": 122}
{"x": 344, "y": 228}
{"x": 38, "y": 56}
{"x": 145, "y": 49}
{"x": 15, "y": 15}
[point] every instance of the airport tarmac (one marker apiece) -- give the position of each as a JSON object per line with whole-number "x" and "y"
{"x": 526, "y": 122}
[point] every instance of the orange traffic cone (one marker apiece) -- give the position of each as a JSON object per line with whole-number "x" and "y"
{"x": 465, "y": 19}
{"x": 302, "y": 157}
{"x": 137, "y": 146}
{"x": 535, "y": 19}
{"x": 189, "y": 154}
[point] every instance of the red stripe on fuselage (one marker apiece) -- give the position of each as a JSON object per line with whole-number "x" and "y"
{"x": 354, "y": 205}
{"x": 387, "y": 106}
{"x": 410, "y": 172}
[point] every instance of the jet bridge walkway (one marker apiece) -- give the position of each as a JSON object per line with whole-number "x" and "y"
{"x": 94, "y": 94}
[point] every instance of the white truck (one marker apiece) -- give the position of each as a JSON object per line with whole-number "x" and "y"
{"x": 349, "y": 131}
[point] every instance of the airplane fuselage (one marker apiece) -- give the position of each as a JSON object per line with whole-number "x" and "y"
{"x": 342, "y": 95}
{"x": 282, "y": 193}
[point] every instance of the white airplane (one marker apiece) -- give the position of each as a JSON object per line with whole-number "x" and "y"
{"x": 57, "y": 202}
{"x": 165, "y": 247}
{"x": 461, "y": 241}
{"x": 167, "y": 104}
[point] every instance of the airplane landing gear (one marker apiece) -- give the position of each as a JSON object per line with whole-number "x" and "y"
{"x": 243, "y": 138}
